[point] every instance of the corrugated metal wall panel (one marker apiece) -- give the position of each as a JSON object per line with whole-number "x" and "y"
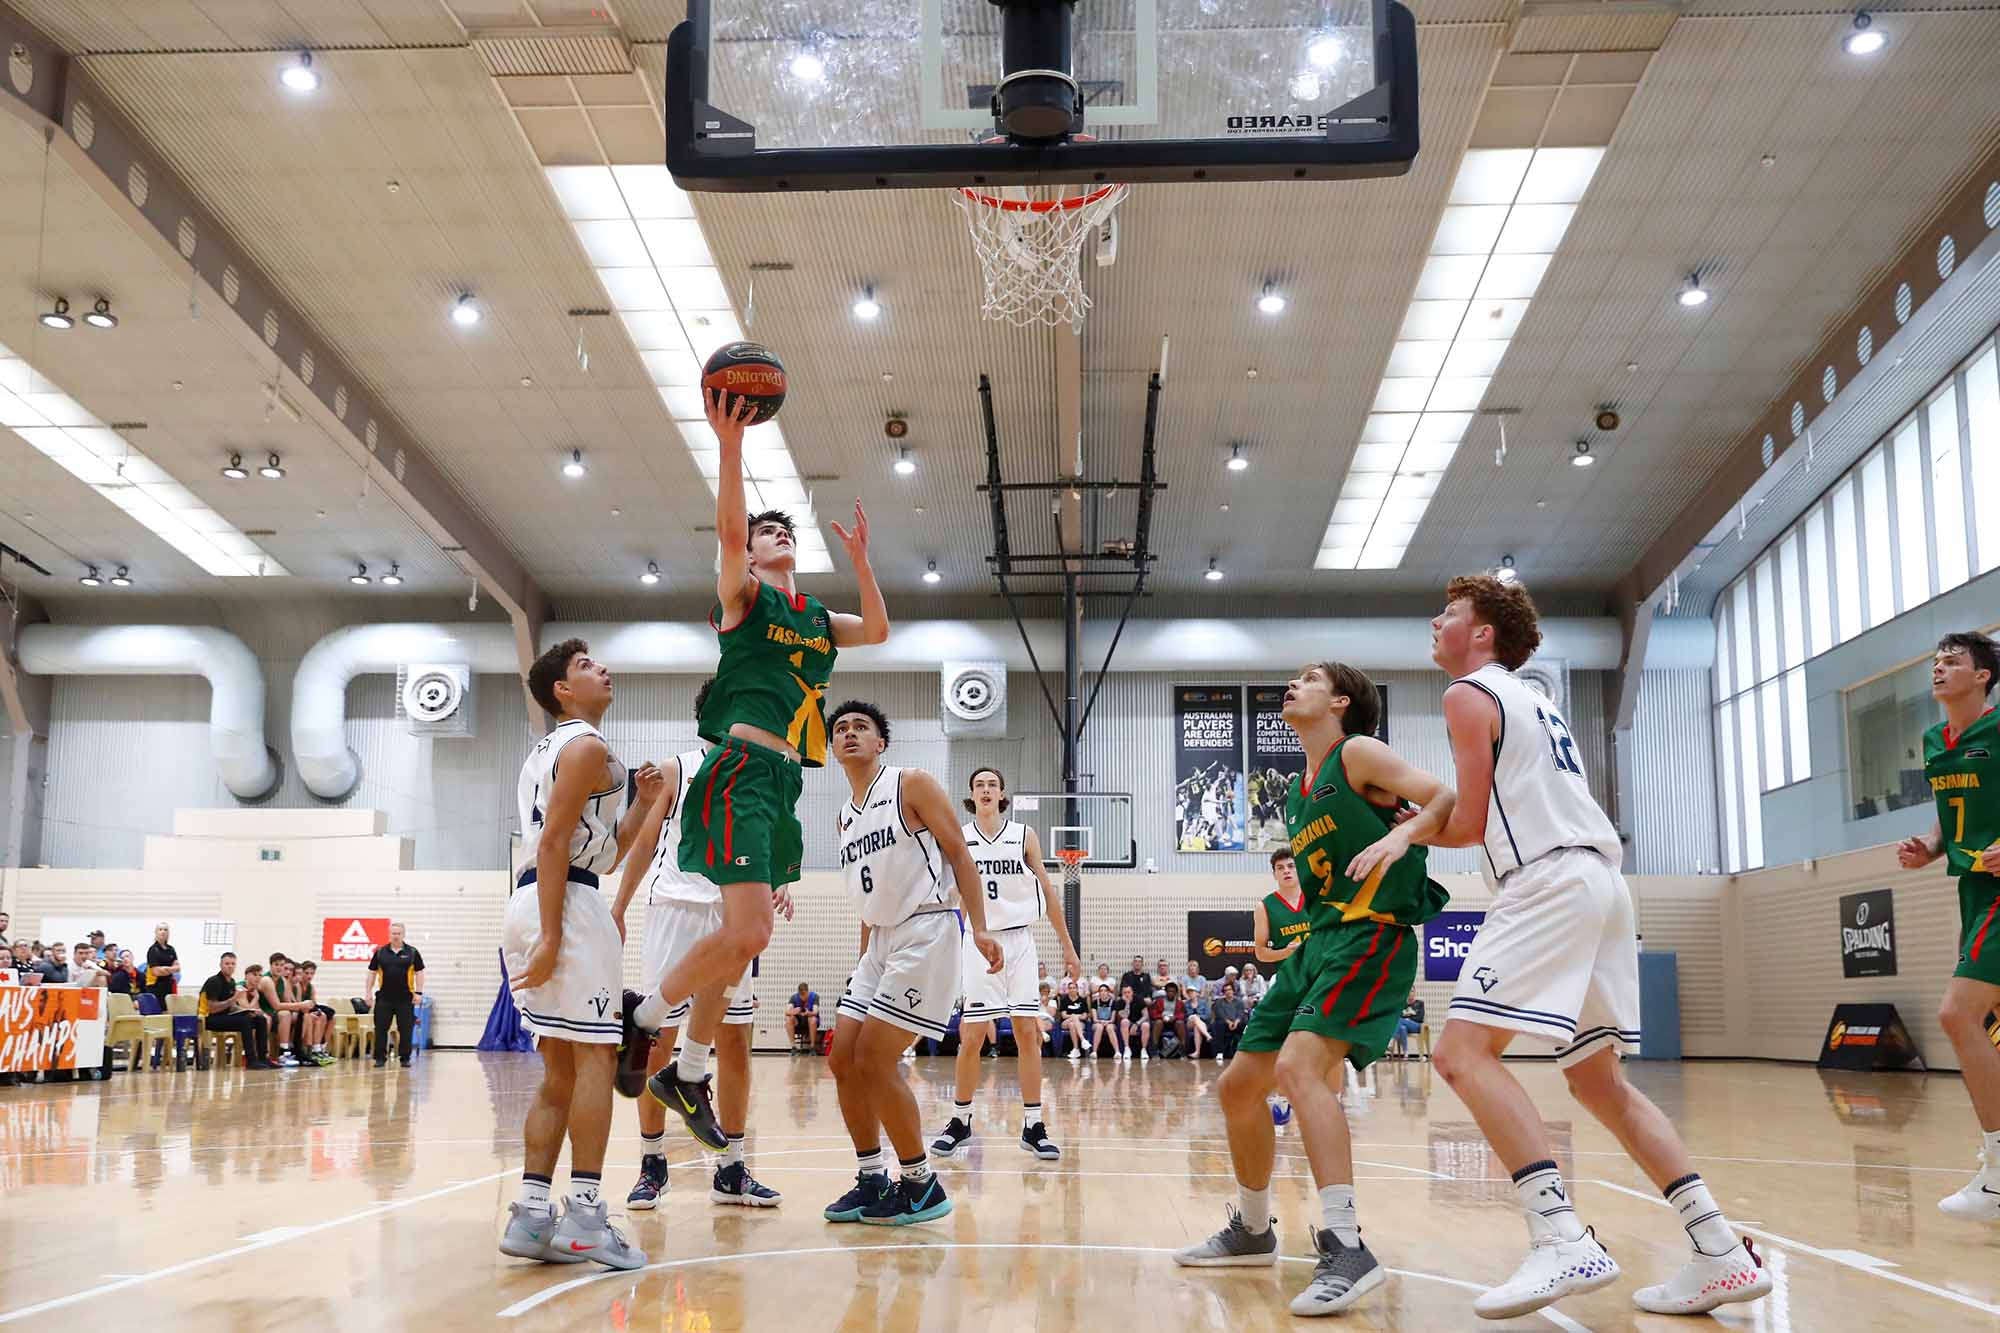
{"x": 1673, "y": 776}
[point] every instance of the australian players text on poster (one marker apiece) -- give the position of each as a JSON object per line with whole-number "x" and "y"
{"x": 1221, "y": 939}
{"x": 1275, "y": 755}
{"x": 1448, "y": 939}
{"x": 1208, "y": 768}
{"x": 1868, "y": 934}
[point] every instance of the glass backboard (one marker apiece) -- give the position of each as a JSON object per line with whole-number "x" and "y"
{"x": 1098, "y": 823}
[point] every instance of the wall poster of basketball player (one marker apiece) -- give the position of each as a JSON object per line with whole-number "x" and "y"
{"x": 1208, "y": 768}
{"x": 1275, "y": 756}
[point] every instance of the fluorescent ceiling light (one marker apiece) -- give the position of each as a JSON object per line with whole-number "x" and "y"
{"x": 612, "y": 243}
{"x": 300, "y": 76}
{"x": 1508, "y": 212}
{"x": 109, "y": 464}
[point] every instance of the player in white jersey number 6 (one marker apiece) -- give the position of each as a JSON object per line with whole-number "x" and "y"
{"x": 904, "y": 859}
{"x": 1556, "y": 960}
{"x": 1014, "y": 886}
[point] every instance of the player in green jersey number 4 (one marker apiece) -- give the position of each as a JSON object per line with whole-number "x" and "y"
{"x": 1962, "y": 764}
{"x": 764, "y": 719}
{"x": 1362, "y": 886}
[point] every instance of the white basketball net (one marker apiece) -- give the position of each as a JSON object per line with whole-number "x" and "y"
{"x": 1030, "y": 246}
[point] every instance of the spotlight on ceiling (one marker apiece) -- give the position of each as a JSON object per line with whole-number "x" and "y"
{"x": 652, "y": 574}
{"x": 1582, "y": 456}
{"x": 1214, "y": 575}
{"x": 394, "y": 578}
{"x": 1325, "y": 50}
{"x": 807, "y": 67}
{"x": 272, "y": 469}
{"x": 930, "y": 573}
{"x": 574, "y": 467}
{"x": 1693, "y": 293}
{"x": 100, "y": 316}
{"x": 57, "y": 316}
{"x": 465, "y": 311}
{"x": 122, "y": 579}
{"x": 1506, "y": 572}
{"x": 904, "y": 466}
{"x": 90, "y": 579}
{"x": 359, "y": 578}
{"x": 867, "y": 307}
{"x": 1271, "y": 301}
{"x": 235, "y": 470}
{"x": 1237, "y": 462}
{"x": 300, "y": 76}
{"x": 1864, "y": 40}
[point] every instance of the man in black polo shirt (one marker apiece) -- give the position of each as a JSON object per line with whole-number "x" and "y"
{"x": 395, "y": 980}
{"x": 163, "y": 965}
{"x": 1138, "y": 979}
{"x": 228, "y": 1012}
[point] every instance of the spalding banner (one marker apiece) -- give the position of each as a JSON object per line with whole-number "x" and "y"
{"x": 1447, "y": 940}
{"x": 1217, "y": 940}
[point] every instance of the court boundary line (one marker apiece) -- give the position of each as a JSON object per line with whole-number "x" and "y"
{"x": 1830, "y": 1256}
{"x": 547, "y": 1294}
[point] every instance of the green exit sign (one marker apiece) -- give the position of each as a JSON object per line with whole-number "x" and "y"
{"x": 270, "y": 854}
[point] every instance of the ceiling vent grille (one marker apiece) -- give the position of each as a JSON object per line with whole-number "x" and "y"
{"x": 512, "y": 52}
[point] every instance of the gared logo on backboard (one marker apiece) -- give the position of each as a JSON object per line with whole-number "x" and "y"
{"x": 352, "y": 939}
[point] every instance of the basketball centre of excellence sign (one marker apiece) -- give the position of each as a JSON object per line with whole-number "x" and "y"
{"x": 50, "y": 1027}
{"x": 1448, "y": 939}
{"x": 352, "y": 939}
{"x": 1868, "y": 934}
{"x": 1221, "y": 939}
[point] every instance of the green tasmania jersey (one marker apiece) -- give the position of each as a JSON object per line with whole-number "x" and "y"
{"x": 1331, "y": 824}
{"x": 773, "y": 673}
{"x": 1964, "y": 773}
{"x": 1288, "y": 921}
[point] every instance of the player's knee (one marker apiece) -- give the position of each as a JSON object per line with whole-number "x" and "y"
{"x": 1295, "y": 1074}
{"x": 1596, "y": 1083}
{"x": 1454, "y": 1057}
{"x": 747, "y": 939}
{"x": 1959, "y": 1016}
{"x": 840, "y": 1059}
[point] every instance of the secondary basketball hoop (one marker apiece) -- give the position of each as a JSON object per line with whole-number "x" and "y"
{"x": 1029, "y": 240}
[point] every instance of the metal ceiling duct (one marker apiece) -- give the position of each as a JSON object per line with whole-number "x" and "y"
{"x": 247, "y": 767}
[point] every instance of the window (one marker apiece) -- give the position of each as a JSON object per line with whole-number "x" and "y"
{"x": 1753, "y": 811}
{"x": 1746, "y": 672}
{"x": 1886, "y": 720}
{"x": 1819, "y": 604}
{"x": 1766, "y": 604}
{"x": 1947, "y": 492}
{"x": 1722, "y": 675}
{"x": 1913, "y": 538}
{"x": 1982, "y": 417}
{"x": 1791, "y": 607}
{"x": 1773, "y": 715}
{"x": 1795, "y": 724}
{"x": 1847, "y": 558}
{"x": 1732, "y": 816}
{"x": 1873, "y": 502}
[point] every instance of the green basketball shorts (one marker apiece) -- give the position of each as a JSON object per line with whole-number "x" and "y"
{"x": 740, "y": 825}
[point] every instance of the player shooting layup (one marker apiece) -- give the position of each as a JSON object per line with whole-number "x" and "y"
{"x": 765, "y": 719}
{"x": 1557, "y": 959}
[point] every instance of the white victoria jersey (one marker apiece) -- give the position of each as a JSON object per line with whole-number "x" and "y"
{"x": 593, "y": 844}
{"x": 893, "y": 873}
{"x": 1013, "y": 892}
{"x": 1541, "y": 800}
{"x": 665, "y": 881}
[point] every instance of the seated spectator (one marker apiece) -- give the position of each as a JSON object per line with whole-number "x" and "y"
{"x": 1107, "y": 1020}
{"x": 1172, "y": 1022}
{"x": 1411, "y": 1023}
{"x": 83, "y": 968}
{"x": 7, "y": 960}
{"x": 96, "y": 938}
{"x": 275, "y": 998}
{"x": 1194, "y": 1030}
{"x": 1228, "y": 1025}
{"x": 1193, "y": 983}
{"x": 1103, "y": 978}
{"x": 802, "y": 1020}
{"x": 1073, "y": 1011}
{"x": 54, "y": 965}
{"x": 6, "y": 928}
{"x": 1253, "y": 987}
{"x": 1138, "y": 978}
{"x": 1161, "y": 976}
{"x": 1042, "y": 977}
{"x": 317, "y": 1021}
{"x": 1134, "y": 1024}
{"x": 1049, "y": 1017}
{"x": 1156, "y": 1014}
{"x": 225, "y": 1008}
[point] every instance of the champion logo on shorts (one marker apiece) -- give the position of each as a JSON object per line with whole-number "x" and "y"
{"x": 1487, "y": 979}
{"x": 743, "y": 860}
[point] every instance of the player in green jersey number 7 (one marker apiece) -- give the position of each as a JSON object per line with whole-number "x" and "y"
{"x": 765, "y": 719}
{"x": 1962, "y": 765}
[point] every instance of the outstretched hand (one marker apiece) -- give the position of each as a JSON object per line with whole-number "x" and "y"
{"x": 856, "y": 541}
{"x": 727, "y": 419}
{"x": 1914, "y": 853}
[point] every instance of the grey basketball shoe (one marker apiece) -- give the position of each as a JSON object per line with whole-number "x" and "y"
{"x": 531, "y": 1234}
{"x": 1235, "y": 1246}
{"x": 587, "y": 1233}
{"x": 1344, "y": 1274}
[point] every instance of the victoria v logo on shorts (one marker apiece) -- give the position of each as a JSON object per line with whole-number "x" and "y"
{"x": 1487, "y": 979}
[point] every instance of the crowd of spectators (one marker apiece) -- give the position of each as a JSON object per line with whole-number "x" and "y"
{"x": 1148, "y": 1014}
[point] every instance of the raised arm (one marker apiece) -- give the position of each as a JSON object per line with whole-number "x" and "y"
{"x": 648, "y": 782}
{"x": 1382, "y": 776}
{"x": 926, "y": 803}
{"x": 646, "y": 840}
{"x": 872, "y": 625}
{"x": 579, "y": 770}
{"x": 1031, "y": 849}
{"x": 735, "y": 587}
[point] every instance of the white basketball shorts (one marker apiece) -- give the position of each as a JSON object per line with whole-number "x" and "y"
{"x": 1558, "y": 957}
{"x": 1012, "y": 992}
{"x": 671, "y": 930}
{"x": 583, "y": 1000}
{"x": 908, "y": 975}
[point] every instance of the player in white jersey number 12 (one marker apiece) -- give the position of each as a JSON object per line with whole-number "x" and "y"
{"x": 1014, "y": 887}
{"x": 1556, "y": 960}
{"x": 563, "y": 956}
{"x": 904, "y": 861}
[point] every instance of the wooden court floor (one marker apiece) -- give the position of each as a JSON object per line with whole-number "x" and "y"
{"x": 354, "y": 1199}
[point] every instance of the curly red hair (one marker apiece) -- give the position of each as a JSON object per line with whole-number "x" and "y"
{"x": 1517, "y": 630}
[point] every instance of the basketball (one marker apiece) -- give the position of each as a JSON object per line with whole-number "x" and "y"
{"x": 747, "y": 370}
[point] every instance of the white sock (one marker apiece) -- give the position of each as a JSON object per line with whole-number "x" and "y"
{"x": 917, "y": 1169}
{"x": 1336, "y": 1213}
{"x": 535, "y": 1192}
{"x": 1255, "y": 1205}
{"x": 692, "y": 1066}
{"x": 653, "y": 1145}
{"x": 583, "y": 1189}
{"x": 652, "y": 1012}
{"x": 870, "y": 1163}
{"x": 1031, "y": 1115}
{"x": 733, "y": 1156}
{"x": 1990, "y": 1140}
{"x": 1708, "y": 1230}
{"x": 962, "y": 1111}
{"x": 1542, "y": 1193}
